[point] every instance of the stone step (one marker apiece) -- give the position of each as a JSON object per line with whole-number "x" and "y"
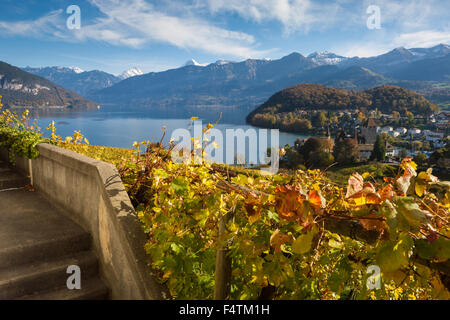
{"x": 31, "y": 230}
{"x": 42, "y": 276}
{"x": 38, "y": 241}
{"x": 11, "y": 179}
{"x": 91, "y": 289}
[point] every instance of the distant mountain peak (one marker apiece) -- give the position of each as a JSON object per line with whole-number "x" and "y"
{"x": 222, "y": 62}
{"x": 442, "y": 47}
{"x": 193, "y": 62}
{"x": 76, "y": 69}
{"x": 294, "y": 54}
{"x": 326, "y": 58}
{"x": 135, "y": 71}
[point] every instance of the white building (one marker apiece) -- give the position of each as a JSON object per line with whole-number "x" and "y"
{"x": 394, "y": 134}
{"x": 414, "y": 131}
{"x": 401, "y": 131}
{"x": 392, "y": 152}
{"x": 385, "y": 130}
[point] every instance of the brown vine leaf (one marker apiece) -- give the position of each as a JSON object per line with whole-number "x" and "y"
{"x": 373, "y": 222}
{"x": 387, "y": 192}
{"x": 355, "y": 184}
{"x": 29, "y": 188}
{"x": 277, "y": 239}
{"x": 404, "y": 181}
{"x": 253, "y": 206}
{"x": 316, "y": 200}
{"x": 367, "y": 195}
{"x": 289, "y": 203}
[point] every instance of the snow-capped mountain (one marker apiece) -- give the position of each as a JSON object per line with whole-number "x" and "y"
{"x": 326, "y": 58}
{"x": 222, "y": 62}
{"x": 131, "y": 73}
{"x": 251, "y": 81}
{"x": 434, "y": 52}
{"x": 76, "y": 69}
{"x": 193, "y": 62}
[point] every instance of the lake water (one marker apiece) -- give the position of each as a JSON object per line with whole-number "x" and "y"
{"x": 119, "y": 128}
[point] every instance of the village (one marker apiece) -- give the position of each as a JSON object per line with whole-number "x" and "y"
{"x": 356, "y": 137}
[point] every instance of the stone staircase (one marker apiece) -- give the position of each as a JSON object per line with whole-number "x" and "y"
{"x": 38, "y": 243}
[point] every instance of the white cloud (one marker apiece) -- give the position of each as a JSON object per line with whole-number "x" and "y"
{"x": 200, "y": 25}
{"x": 48, "y": 24}
{"x": 420, "y": 39}
{"x": 384, "y": 42}
{"x": 137, "y": 22}
{"x": 293, "y": 14}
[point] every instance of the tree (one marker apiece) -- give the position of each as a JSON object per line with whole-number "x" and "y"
{"x": 320, "y": 119}
{"x": 395, "y": 115}
{"x": 292, "y": 158}
{"x": 410, "y": 117}
{"x": 417, "y": 145}
{"x": 379, "y": 149}
{"x": 346, "y": 151}
{"x": 421, "y": 159}
{"x": 361, "y": 117}
{"x": 403, "y": 153}
{"x": 313, "y": 145}
{"x": 320, "y": 159}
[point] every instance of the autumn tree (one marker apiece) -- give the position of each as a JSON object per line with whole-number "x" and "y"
{"x": 346, "y": 151}
{"x": 379, "y": 149}
{"x": 311, "y": 148}
{"x": 320, "y": 119}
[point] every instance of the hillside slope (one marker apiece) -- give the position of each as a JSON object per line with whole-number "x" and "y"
{"x": 311, "y": 97}
{"x": 22, "y": 89}
{"x": 82, "y": 82}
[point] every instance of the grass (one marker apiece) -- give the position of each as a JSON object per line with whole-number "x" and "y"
{"x": 111, "y": 155}
{"x": 340, "y": 174}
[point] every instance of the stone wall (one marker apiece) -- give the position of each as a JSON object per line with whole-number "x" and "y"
{"x": 92, "y": 194}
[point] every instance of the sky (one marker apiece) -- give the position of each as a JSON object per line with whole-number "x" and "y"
{"x": 156, "y": 35}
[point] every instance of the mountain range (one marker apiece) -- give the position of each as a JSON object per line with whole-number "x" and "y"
{"x": 249, "y": 83}
{"x": 79, "y": 81}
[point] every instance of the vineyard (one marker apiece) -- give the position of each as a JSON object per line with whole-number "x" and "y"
{"x": 224, "y": 232}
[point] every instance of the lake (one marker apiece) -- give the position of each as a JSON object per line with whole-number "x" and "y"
{"x": 120, "y": 128}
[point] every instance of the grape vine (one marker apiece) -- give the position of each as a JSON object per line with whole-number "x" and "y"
{"x": 299, "y": 235}
{"x": 294, "y": 235}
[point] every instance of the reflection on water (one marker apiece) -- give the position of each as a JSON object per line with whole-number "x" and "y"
{"x": 117, "y": 127}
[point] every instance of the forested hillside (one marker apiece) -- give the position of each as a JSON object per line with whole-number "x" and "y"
{"x": 287, "y": 104}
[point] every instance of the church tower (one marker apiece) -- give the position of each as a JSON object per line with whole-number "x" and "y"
{"x": 369, "y": 131}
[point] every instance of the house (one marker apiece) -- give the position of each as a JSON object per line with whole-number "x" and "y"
{"x": 394, "y": 134}
{"x": 365, "y": 151}
{"x": 414, "y": 131}
{"x": 401, "y": 131}
{"x": 433, "y": 136}
{"x": 391, "y": 151}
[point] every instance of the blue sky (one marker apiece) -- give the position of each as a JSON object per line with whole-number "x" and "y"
{"x": 156, "y": 35}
